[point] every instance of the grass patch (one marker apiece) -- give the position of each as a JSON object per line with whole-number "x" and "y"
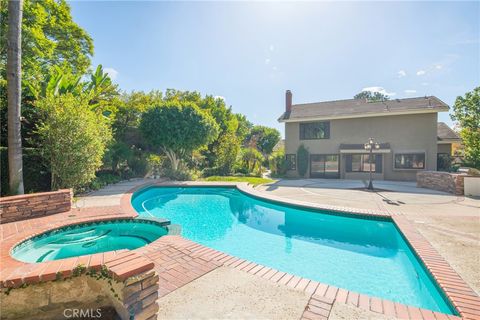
{"x": 251, "y": 180}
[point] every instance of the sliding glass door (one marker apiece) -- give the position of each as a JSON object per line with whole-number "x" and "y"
{"x": 324, "y": 166}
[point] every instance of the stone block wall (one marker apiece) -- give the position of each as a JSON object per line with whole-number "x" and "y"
{"x": 58, "y": 289}
{"x": 28, "y": 206}
{"x": 441, "y": 181}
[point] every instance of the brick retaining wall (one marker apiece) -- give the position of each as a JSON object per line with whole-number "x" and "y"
{"x": 441, "y": 181}
{"x": 27, "y": 206}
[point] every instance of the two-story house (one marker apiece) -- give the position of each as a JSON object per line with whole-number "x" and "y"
{"x": 334, "y": 132}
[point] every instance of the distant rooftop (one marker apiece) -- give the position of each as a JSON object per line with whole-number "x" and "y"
{"x": 356, "y": 108}
{"x": 445, "y": 133}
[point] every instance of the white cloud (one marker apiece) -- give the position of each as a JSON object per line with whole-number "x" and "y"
{"x": 219, "y": 97}
{"x": 112, "y": 73}
{"x": 421, "y": 72}
{"x": 379, "y": 90}
{"x": 271, "y": 47}
{"x": 401, "y": 73}
{"x": 274, "y": 68}
{"x": 438, "y": 66}
{"x": 410, "y": 91}
{"x": 267, "y": 61}
{"x": 424, "y": 83}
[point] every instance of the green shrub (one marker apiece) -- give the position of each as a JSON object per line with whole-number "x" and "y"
{"x": 138, "y": 165}
{"x": 72, "y": 139}
{"x": 155, "y": 164}
{"x": 250, "y": 162}
{"x": 181, "y": 174}
{"x": 278, "y": 164}
{"x": 117, "y": 155}
{"x": 302, "y": 160}
{"x": 102, "y": 179}
{"x": 226, "y": 152}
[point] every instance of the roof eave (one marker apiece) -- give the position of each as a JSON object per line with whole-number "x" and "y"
{"x": 367, "y": 115}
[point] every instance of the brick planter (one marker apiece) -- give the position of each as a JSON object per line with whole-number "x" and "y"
{"x": 441, "y": 181}
{"x": 28, "y": 206}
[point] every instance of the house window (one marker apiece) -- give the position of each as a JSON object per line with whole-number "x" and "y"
{"x": 291, "y": 161}
{"x": 314, "y": 130}
{"x": 361, "y": 163}
{"x": 410, "y": 160}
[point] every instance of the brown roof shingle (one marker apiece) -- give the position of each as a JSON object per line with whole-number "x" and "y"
{"x": 353, "y": 108}
{"x": 444, "y": 132}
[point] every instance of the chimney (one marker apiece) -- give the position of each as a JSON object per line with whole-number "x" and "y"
{"x": 288, "y": 101}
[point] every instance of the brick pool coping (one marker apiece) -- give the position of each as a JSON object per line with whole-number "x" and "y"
{"x": 180, "y": 261}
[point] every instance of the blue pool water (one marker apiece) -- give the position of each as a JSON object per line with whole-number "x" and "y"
{"x": 362, "y": 255}
{"x": 88, "y": 238}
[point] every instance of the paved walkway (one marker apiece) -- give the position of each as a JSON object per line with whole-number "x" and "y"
{"x": 110, "y": 195}
{"x": 396, "y": 186}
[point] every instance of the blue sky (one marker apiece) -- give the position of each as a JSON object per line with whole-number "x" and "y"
{"x": 251, "y": 52}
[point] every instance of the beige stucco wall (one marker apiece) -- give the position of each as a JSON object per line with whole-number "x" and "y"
{"x": 405, "y": 133}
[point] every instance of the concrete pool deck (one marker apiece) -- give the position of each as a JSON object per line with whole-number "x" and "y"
{"x": 187, "y": 266}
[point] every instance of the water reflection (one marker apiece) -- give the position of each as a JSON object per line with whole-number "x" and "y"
{"x": 372, "y": 237}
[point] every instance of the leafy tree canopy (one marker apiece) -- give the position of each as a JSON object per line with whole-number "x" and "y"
{"x": 264, "y": 138}
{"x": 98, "y": 87}
{"x": 466, "y": 111}
{"x": 371, "y": 96}
{"x": 129, "y": 112}
{"x": 50, "y": 37}
{"x": 178, "y": 128}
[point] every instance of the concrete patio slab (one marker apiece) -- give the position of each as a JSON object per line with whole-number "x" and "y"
{"x": 108, "y": 196}
{"x": 396, "y": 186}
{"x": 341, "y": 311}
{"x": 227, "y": 293}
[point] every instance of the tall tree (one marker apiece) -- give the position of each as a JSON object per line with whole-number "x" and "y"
{"x": 371, "y": 96}
{"x": 466, "y": 111}
{"x": 264, "y": 139}
{"x": 14, "y": 93}
{"x": 178, "y": 128}
{"x": 50, "y": 37}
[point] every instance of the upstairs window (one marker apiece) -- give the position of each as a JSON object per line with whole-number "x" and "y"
{"x": 410, "y": 160}
{"x": 315, "y": 130}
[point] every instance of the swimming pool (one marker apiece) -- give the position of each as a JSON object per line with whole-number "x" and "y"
{"x": 368, "y": 256}
{"x": 88, "y": 238}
